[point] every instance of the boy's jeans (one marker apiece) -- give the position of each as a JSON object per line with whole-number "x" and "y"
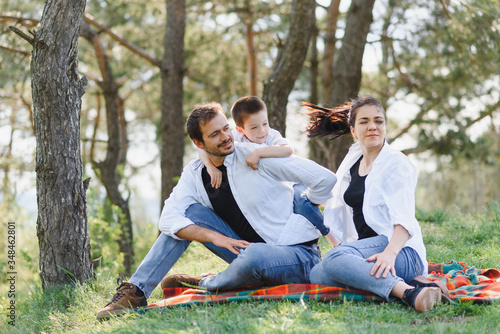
{"x": 302, "y": 206}
{"x": 260, "y": 262}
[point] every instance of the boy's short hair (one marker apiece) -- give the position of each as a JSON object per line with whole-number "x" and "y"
{"x": 246, "y": 106}
{"x": 201, "y": 114}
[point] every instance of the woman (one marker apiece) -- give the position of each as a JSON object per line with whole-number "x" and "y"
{"x": 378, "y": 242}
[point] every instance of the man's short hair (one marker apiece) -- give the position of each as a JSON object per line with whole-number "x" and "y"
{"x": 201, "y": 114}
{"x": 246, "y": 106}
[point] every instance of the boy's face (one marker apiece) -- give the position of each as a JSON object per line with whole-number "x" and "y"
{"x": 255, "y": 127}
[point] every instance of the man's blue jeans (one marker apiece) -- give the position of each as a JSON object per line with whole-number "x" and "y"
{"x": 260, "y": 262}
{"x": 346, "y": 266}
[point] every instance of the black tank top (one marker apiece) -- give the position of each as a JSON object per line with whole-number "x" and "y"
{"x": 353, "y": 197}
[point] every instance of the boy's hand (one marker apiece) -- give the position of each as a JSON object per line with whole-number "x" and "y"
{"x": 253, "y": 159}
{"x": 215, "y": 176}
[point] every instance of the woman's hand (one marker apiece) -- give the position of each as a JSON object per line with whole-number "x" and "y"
{"x": 384, "y": 263}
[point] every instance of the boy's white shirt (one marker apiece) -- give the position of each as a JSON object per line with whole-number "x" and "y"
{"x": 262, "y": 195}
{"x": 273, "y": 138}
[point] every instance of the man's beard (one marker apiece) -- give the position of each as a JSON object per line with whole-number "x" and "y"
{"x": 219, "y": 153}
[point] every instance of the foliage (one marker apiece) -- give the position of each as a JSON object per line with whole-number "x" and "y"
{"x": 467, "y": 238}
{"x": 442, "y": 57}
{"x": 466, "y": 181}
{"x": 104, "y": 230}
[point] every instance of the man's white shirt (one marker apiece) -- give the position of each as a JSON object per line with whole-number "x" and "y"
{"x": 264, "y": 196}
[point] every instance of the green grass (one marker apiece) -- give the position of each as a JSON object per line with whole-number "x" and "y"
{"x": 468, "y": 238}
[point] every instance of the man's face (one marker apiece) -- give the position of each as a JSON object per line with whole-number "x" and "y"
{"x": 217, "y": 137}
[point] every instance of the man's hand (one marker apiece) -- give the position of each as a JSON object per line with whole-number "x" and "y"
{"x": 203, "y": 234}
{"x": 253, "y": 159}
{"x": 232, "y": 244}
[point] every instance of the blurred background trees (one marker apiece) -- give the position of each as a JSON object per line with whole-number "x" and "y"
{"x": 433, "y": 64}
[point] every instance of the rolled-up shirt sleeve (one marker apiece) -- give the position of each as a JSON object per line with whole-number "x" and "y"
{"x": 399, "y": 195}
{"x": 184, "y": 194}
{"x": 318, "y": 180}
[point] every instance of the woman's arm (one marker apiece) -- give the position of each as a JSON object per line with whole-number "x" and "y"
{"x": 386, "y": 260}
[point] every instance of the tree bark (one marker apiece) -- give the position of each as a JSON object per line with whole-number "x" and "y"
{"x": 314, "y": 66}
{"x": 117, "y": 148}
{"x": 251, "y": 53}
{"x": 62, "y": 226}
{"x": 288, "y": 64}
{"x": 346, "y": 80}
{"x": 329, "y": 55}
{"x": 172, "y": 119}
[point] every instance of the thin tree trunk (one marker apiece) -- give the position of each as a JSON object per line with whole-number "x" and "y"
{"x": 314, "y": 66}
{"x": 319, "y": 148}
{"x": 346, "y": 79}
{"x": 172, "y": 120}
{"x": 8, "y": 192}
{"x": 251, "y": 53}
{"x": 329, "y": 55}
{"x": 116, "y": 149}
{"x": 289, "y": 63}
{"x": 62, "y": 226}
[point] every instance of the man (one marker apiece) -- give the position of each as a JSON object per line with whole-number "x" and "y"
{"x": 248, "y": 221}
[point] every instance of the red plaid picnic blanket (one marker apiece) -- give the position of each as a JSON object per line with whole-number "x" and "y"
{"x": 464, "y": 282}
{"x": 297, "y": 292}
{"x": 467, "y": 283}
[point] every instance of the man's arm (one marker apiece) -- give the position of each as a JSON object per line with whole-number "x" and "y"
{"x": 184, "y": 194}
{"x": 202, "y": 234}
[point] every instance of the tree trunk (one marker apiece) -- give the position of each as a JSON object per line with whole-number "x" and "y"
{"x": 289, "y": 63}
{"x": 8, "y": 192}
{"x": 346, "y": 79}
{"x": 251, "y": 54}
{"x": 172, "y": 119}
{"x": 62, "y": 226}
{"x": 116, "y": 149}
{"x": 314, "y": 66}
{"x": 329, "y": 55}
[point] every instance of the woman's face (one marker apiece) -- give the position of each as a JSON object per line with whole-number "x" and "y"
{"x": 369, "y": 127}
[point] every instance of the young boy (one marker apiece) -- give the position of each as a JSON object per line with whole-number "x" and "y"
{"x": 250, "y": 115}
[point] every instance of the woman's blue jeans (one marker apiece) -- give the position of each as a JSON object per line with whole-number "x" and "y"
{"x": 346, "y": 266}
{"x": 260, "y": 262}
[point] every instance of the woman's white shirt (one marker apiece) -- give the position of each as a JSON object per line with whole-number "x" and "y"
{"x": 389, "y": 199}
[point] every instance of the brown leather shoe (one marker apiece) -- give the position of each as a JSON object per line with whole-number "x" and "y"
{"x": 422, "y": 298}
{"x": 424, "y": 281}
{"x": 123, "y": 301}
{"x": 179, "y": 281}
{"x": 435, "y": 267}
